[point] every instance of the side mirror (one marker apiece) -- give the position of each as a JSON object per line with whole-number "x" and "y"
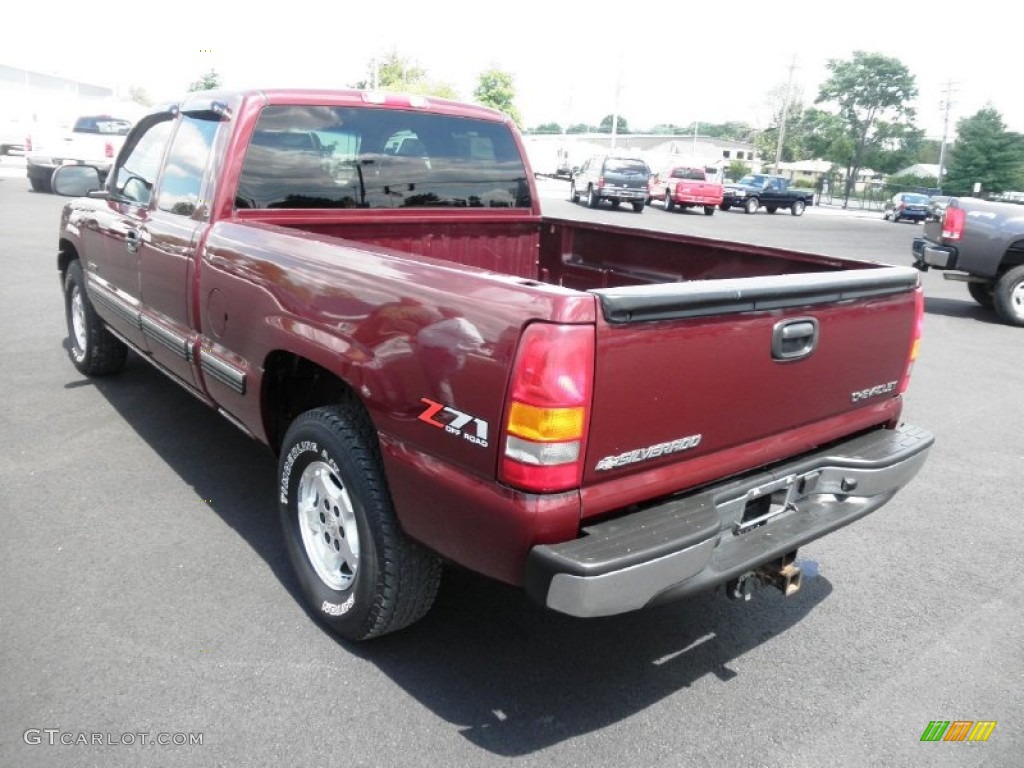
{"x": 75, "y": 180}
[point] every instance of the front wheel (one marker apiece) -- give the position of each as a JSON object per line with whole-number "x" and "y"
{"x": 592, "y": 198}
{"x": 574, "y": 196}
{"x": 94, "y": 350}
{"x": 751, "y": 205}
{"x": 1008, "y": 296}
{"x": 670, "y": 204}
{"x": 359, "y": 572}
{"x": 724, "y": 206}
{"x": 797, "y": 209}
{"x": 638, "y": 207}
{"x": 982, "y": 293}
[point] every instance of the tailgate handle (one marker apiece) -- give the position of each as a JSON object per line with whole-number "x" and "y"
{"x": 794, "y": 339}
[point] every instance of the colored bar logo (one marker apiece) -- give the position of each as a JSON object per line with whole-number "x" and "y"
{"x": 958, "y": 730}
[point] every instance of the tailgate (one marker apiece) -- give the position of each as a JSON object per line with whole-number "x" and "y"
{"x": 690, "y": 369}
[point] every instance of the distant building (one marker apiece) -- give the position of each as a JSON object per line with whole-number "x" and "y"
{"x": 29, "y": 97}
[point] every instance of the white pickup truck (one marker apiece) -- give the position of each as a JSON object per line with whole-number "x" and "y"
{"x": 93, "y": 140}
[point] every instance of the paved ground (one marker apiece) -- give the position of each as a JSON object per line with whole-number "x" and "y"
{"x": 145, "y": 588}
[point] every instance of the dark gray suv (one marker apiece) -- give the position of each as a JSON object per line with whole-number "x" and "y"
{"x": 614, "y": 178}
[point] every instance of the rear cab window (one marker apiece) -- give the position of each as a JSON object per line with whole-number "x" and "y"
{"x": 363, "y": 157}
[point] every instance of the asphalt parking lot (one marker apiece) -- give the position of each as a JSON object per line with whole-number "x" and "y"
{"x": 145, "y": 588}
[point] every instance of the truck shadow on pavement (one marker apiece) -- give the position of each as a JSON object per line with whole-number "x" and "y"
{"x": 512, "y": 677}
{"x": 967, "y": 308}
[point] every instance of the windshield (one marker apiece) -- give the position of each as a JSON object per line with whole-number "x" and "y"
{"x": 363, "y": 157}
{"x": 110, "y": 126}
{"x": 625, "y": 165}
{"x": 753, "y": 180}
{"x": 691, "y": 174}
{"x": 915, "y": 199}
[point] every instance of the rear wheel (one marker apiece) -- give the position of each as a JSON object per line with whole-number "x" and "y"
{"x": 359, "y": 572}
{"x": 709, "y": 210}
{"x": 982, "y": 293}
{"x": 574, "y": 196}
{"x": 592, "y": 198}
{"x": 751, "y": 205}
{"x": 797, "y": 209}
{"x": 94, "y": 350}
{"x": 670, "y": 204}
{"x": 1008, "y": 296}
{"x": 39, "y": 183}
{"x": 638, "y": 207}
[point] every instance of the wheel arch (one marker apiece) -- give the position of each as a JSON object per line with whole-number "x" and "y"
{"x": 291, "y": 385}
{"x": 1013, "y": 257}
{"x": 66, "y": 253}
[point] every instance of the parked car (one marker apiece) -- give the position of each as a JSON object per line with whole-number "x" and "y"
{"x": 12, "y": 136}
{"x": 758, "y": 190}
{"x": 909, "y": 206}
{"x": 685, "y": 187}
{"x": 614, "y": 178}
{"x": 937, "y": 207}
{"x": 605, "y": 416}
{"x": 93, "y": 140}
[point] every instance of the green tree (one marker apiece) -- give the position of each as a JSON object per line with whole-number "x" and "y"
{"x": 547, "y": 128}
{"x": 734, "y": 131}
{"x": 397, "y": 74}
{"x": 985, "y": 152}
{"x": 866, "y": 90}
{"x": 208, "y": 82}
{"x": 495, "y": 89}
{"x": 580, "y": 128}
{"x": 605, "y": 126}
{"x": 736, "y": 170}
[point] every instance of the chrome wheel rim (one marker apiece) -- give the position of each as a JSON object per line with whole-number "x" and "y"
{"x": 1017, "y": 298}
{"x": 78, "y": 317}
{"x": 328, "y": 525}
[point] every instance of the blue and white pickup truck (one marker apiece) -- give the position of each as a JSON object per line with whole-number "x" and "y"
{"x": 980, "y": 243}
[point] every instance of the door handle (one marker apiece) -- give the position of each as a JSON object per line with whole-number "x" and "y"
{"x": 132, "y": 240}
{"x": 794, "y": 339}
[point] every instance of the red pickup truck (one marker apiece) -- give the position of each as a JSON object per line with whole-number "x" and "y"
{"x": 608, "y": 417}
{"x": 685, "y": 187}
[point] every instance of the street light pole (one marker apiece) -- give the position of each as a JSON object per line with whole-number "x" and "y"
{"x": 785, "y": 116}
{"x": 945, "y": 104}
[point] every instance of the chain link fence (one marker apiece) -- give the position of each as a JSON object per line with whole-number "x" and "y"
{"x": 867, "y": 195}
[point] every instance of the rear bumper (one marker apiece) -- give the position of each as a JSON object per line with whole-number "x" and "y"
{"x": 927, "y": 254}
{"x": 694, "y": 542}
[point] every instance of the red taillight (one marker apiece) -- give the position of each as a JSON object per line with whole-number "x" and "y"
{"x": 600, "y": 182}
{"x": 108, "y": 149}
{"x": 915, "y": 342}
{"x": 548, "y": 411}
{"x": 953, "y": 223}
{"x": 28, "y": 143}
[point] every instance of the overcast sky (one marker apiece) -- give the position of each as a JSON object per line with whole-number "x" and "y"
{"x": 674, "y": 63}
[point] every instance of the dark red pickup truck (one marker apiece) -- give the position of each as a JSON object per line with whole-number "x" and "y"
{"x": 607, "y": 417}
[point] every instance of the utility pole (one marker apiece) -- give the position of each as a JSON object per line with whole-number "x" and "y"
{"x": 785, "y": 115}
{"x": 615, "y": 111}
{"x": 946, "y": 104}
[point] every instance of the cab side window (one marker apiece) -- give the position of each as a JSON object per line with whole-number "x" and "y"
{"x": 182, "y": 181}
{"x": 137, "y": 174}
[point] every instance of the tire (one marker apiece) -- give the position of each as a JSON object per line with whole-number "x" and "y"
{"x": 359, "y": 572}
{"x": 895, "y": 218}
{"x": 751, "y": 205}
{"x": 771, "y": 208}
{"x": 982, "y": 293}
{"x": 797, "y": 208}
{"x": 592, "y": 199}
{"x": 93, "y": 349}
{"x": 615, "y": 203}
{"x": 670, "y": 204}
{"x": 40, "y": 184}
{"x": 885, "y": 216}
{"x": 724, "y": 206}
{"x": 1008, "y": 296}
{"x": 574, "y": 196}
{"x": 638, "y": 207}
{"x": 709, "y": 210}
